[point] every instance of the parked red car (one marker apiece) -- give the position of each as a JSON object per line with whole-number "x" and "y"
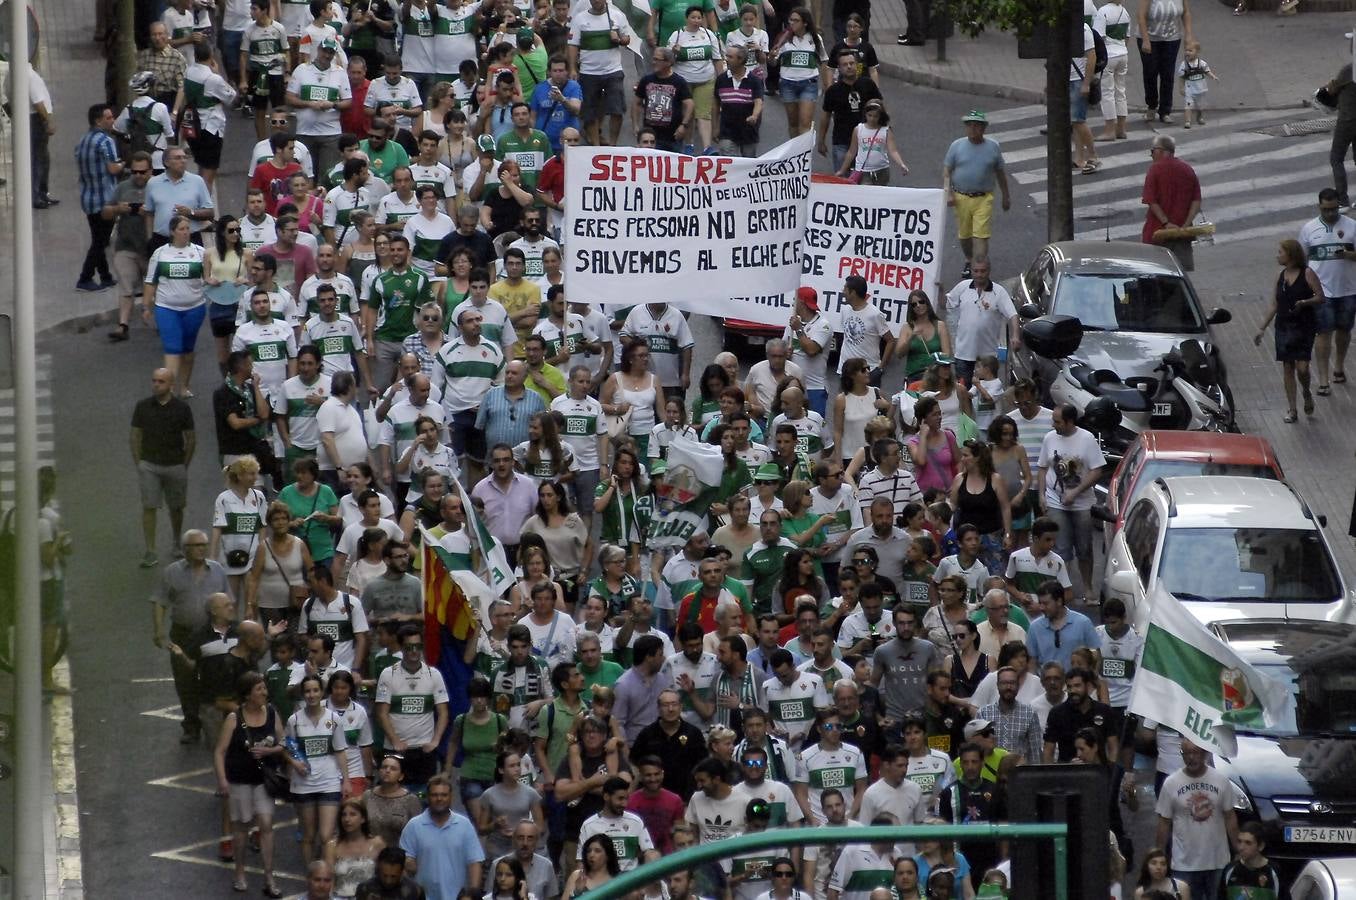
{"x": 1165, "y": 454}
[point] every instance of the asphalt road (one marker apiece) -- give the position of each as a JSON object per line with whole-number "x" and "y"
{"x": 150, "y": 822}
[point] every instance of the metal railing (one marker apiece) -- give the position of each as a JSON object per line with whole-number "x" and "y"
{"x": 796, "y": 837}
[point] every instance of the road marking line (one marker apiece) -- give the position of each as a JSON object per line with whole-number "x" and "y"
{"x": 1087, "y": 188}
{"x": 1213, "y": 191}
{"x": 173, "y": 781}
{"x": 173, "y": 713}
{"x": 1216, "y": 126}
{"x": 150, "y": 680}
{"x": 1140, "y": 156}
{"x": 180, "y": 854}
{"x": 1216, "y": 215}
{"x": 1017, "y": 112}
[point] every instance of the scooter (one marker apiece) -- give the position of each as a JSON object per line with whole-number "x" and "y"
{"x": 1186, "y": 393}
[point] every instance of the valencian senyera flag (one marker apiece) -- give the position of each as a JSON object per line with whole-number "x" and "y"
{"x": 1193, "y": 682}
{"x": 456, "y": 600}
{"x": 689, "y": 486}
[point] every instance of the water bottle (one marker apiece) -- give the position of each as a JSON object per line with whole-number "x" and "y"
{"x": 297, "y": 752}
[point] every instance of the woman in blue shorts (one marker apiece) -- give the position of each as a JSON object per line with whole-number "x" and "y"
{"x": 173, "y": 294}
{"x": 804, "y": 70}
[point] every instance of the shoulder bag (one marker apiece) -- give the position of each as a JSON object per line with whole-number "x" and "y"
{"x": 277, "y": 784}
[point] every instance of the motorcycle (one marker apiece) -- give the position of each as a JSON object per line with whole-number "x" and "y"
{"x": 1187, "y": 391}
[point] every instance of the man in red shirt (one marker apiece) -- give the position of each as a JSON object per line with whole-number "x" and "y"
{"x": 1173, "y": 195}
{"x": 700, "y": 604}
{"x": 273, "y": 176}
{"x": 551, "y": 184}
{"x": 296, "y": 262}
{"x": 658, "y": 807}
{"x": 355, "y": 119}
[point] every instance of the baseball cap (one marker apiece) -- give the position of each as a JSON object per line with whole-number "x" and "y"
{"x": 977, "y": 726}
{"x": 329, "y": 44}
{"x": 658, "y": 466}
{"x": 486, "y": 143}
{"x": 809, "y": 296}
{"x": 976, "y": 115}
{"x": 768, "y": 472}
{"x": 526, "y": 36}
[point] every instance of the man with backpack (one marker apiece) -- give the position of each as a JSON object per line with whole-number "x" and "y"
{"x": 337, "y": 614}
{"x": 145, "y": 123}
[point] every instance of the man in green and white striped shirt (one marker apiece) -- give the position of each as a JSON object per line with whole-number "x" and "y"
{"x": 625, "y": 829}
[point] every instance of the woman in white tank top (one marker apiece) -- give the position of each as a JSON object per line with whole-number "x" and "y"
{"x": 633, "y": 388}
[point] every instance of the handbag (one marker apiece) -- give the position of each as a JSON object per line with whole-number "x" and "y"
{"x": 618, "y": 426}
{"x": 297, "y": 593}
{"x": 856, "y": 175}
{"x": 277, "y": 784}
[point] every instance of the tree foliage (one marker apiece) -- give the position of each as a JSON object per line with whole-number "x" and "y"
{"x": 1022, "y": 17}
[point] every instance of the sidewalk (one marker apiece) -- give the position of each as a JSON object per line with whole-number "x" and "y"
{"x": 1244, "y": 51}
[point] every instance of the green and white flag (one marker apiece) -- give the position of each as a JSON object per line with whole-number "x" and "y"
{"x": 498, "y": 573}
{"x": 1193, "y": 682}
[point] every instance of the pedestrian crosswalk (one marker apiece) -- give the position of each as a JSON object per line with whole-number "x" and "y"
{"x": 1255, "y": 182}
{"x": 46, "y": 432}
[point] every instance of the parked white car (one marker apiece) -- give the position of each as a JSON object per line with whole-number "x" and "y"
{"x": 1228, "y": 547}
{"x": 1326, "y": 879}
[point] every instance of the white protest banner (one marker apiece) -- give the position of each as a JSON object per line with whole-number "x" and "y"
{"x": 890, "y": 236}
{"x": 689, "y": 230}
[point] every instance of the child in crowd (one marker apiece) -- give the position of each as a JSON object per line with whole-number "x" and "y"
{"x": 987, "y": 391}
{"x": 1193, "y": 70}
{"x": 286, "y": 668}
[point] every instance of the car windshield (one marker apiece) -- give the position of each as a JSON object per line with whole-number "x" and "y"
{"x": 1154, "y": 303}
{"x": 1260, "y": 565}
{"x": 1325, "y": 700}
{"x": 1173, "y": 468}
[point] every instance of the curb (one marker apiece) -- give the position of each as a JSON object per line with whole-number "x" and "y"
{"x": 81, "y": 324}
{"x": 63, "y": 847}
{"x": 961, "y": 85}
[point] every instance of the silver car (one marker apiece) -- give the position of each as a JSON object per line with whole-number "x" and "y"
{"x": 1228, "y": 547}
{"x": 1326, "y": 879}
{"x": 1134, "y": 301}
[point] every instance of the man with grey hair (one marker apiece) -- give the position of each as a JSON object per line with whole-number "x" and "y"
{"x": 184, "y": 589}
{"x": 765, "y": 375}
{"x": 597, "y": 671}
{"x": 663, "y": 104}
{"x": 1173, "y": 194}
{"x": 541, "y": 874}
{"x": 319, "y": 881}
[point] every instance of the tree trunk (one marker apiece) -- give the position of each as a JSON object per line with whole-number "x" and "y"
{"x": 1059, "y": 133}
{"x": 125, "y": 53}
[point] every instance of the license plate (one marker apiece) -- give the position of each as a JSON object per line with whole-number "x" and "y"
{"x": 1303, "y": 834}
{"x": 756, "y": 340}
{"x": 1162, "y": 409}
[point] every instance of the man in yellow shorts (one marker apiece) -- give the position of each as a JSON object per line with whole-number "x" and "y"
{"x": 972, "y": 166}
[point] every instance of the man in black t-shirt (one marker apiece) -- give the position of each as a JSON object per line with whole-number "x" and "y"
{"x": 1077, "y": 712}
{"x": 163, "y": 441}
{"x": 663, "y": 103}
{"x": 844, "y": 103}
